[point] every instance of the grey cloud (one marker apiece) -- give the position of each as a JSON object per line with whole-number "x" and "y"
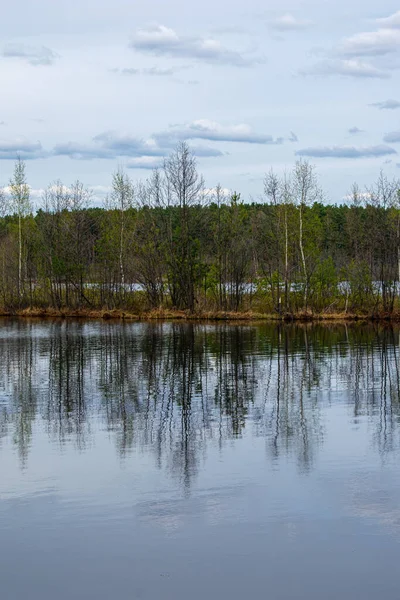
{"x": 392, "y": 137}
{"x": 393, "y": 21}
{"x": 155, "y": 162}
{"x": 288, "y": 22}
{"x": 346, "y": 151}
{"x": 108, "y": 145}
{"x": 347, "y": 68}
{"x": 126, "y": 145}
{"x": 78, "y": 151}
{"x": 10, "y": 150}
{"x": 112, "y": 145}
{"x": 33, "y": 55}
{"x": 162, "y": 41}
{"x": 355, "y": 130}
{"x": 293, "y": 137}
{"x": 386, "y": 105}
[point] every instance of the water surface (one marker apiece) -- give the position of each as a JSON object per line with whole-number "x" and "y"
{"x": 180, "y": 461}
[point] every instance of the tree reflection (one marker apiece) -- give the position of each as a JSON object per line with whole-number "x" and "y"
{"x": 175, "y": 389}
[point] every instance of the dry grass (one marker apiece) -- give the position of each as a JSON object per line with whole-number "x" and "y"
{"x": 166, "y": 314}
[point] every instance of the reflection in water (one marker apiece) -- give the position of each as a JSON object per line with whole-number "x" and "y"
{"x": 172, "y": 388}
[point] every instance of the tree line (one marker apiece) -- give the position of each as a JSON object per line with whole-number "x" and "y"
{"x": 168, "y": 243}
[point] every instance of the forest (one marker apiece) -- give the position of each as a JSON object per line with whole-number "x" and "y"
{"x": 168, "y": 244}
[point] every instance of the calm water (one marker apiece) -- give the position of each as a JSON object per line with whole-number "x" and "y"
{"x": 174, "y": 461}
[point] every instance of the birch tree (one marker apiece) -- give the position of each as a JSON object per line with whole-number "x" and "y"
{"x": 121, "y": 199}
{"x": 20, "y": 205}
{"x": 306, "y": 191}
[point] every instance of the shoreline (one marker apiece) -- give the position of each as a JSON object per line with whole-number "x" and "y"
{"x": 205, "y": 316}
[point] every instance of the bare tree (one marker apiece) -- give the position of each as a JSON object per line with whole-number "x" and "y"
{"x": 273, "y": 190}
{"x": 121, "y": 199}
{"x": 21, "y": 207}
{"x": 382, "y": 197}
{"x": 286, "y": 199}
{"x": 183, "y": 188}
{"x": 306, "y": 191}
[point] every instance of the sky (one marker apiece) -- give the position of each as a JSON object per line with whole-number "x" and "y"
{"x": 88, "y": 87}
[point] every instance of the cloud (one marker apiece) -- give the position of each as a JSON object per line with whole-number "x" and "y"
{"x": 145, "y": 162}
{"x": 288, "y": 22}
{"x": 214, "y": 132}
{"x": 293, "y": 137}
{"x": 162, "y": 41}
{"x": 157, "y": 72}
{"x": 386, "y": 105}
{"x": 347, "y": 68}
{"x": 346, "y": 151}
{"x": 391, "y": 22}
{"x": 355, "y": 130}
{"x": 206, "y": 152}
{"x": 35, "y": 56}
{"x": 152, "y": 71}
{"x": 109, "y": 145}
{"x": 126, "y": 71}
{"x": 392, "y": 137}
{"x": 21, "y": 147}
{"x": 78, "y": 151}
{"x": 124, "y": 144}
{"x": 142, "y": 153}
{"x": 370, "y": 43}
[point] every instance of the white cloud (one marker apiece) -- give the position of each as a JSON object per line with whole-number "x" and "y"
{"x": 215, "y": 132}
{"x": 163, "y": 41}
{"x": 393, "y": 21}
{"x": 145, "y": 162}
{"x": 152, "y": 71}
{"x": 371, "y": 43}
{"x": 288, "y": 22}
{"x": 347, "y": 68}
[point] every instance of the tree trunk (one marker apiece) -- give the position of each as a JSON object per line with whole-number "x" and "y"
{"x": 303, "y": 258}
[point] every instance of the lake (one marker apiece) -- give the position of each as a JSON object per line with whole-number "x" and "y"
{"x": 173, "y": 461}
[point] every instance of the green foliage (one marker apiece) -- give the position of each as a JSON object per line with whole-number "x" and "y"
{"x": 181, "y": 252}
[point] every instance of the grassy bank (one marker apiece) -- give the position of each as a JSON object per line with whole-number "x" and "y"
{"x": 165, "y": 314}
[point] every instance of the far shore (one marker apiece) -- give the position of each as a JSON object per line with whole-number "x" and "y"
{"x": 176, "y": 315}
